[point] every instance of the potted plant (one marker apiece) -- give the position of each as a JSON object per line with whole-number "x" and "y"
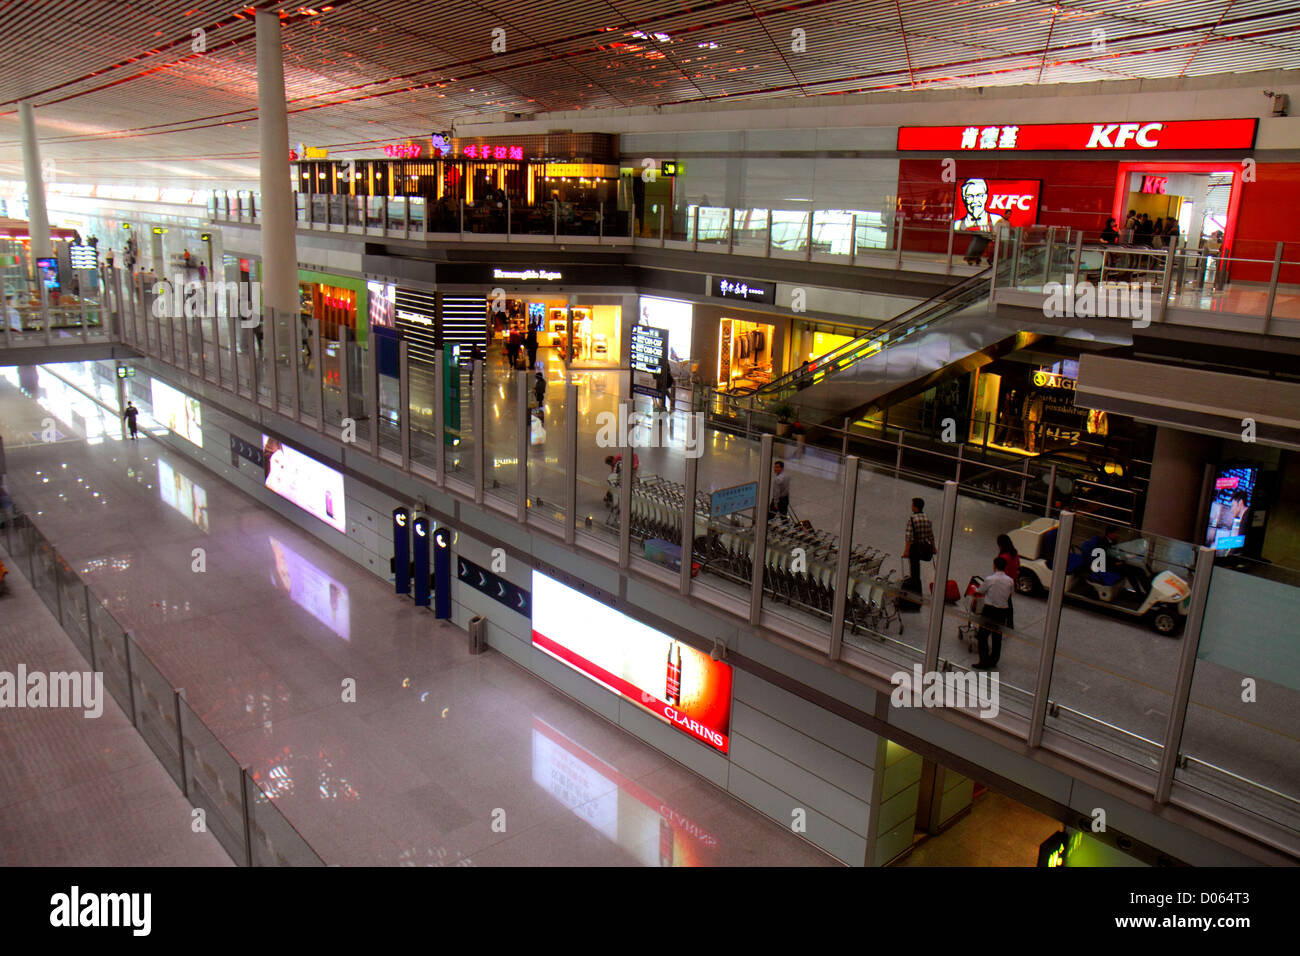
{"x": 784, "y": 413}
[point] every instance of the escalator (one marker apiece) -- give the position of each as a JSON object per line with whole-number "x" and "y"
{"x": 948, "y": 334}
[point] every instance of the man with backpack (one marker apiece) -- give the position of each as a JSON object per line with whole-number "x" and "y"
{"x": 130, "y": 416}
{"x": 918, "y": 543}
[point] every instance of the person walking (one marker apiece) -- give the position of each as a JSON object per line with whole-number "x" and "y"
{"x": 800, "y": 434}
{"x": 513, "y": 343}
{"x": 780, "y": 503}
{"x": 1008, "y": 550}
{"x": 918, "y": 543}
{"x": 996, "y": 591}
{"x": 530, "y": 343}
{"x": 130, "y": 416}
{"x": 539, "y": 391}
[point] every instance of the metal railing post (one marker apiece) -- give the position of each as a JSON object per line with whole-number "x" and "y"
{"x": 1272, "y": 286}
{"x": 85, "y": 319}
{"x": 898, "y": 241}
{"x": 808, "y": 240}
{"x": 130, "y": 681}
{"x": 688, "y": 509}
{"x": 1051, "y": 490}
{"x": 600, "y": 224}
{"x": 1165, "y": 278}
{"x": 1051, "y": 629}
{"x": 1173, "y": 738}
{"x": 626, "y": 479}
{"x": 844, "y": 441}
{"x": 185, "y": 335}
{"x": 440, "y": 414}
{"x": 570, "y": 459}
{"x": 1078, "y": 259}
{"x": 345, "y": 386}
{"x": 695, "y": 230}
{"x": 898, "y": 461}
{"x": 45, "y": 309}
{"x": 853, "y": 239}
{"x": 961, "y": 454}
{"x": 1024, "y": 471}
{"x": 731, "y": 228}
{"x": 768, "y": 251}
{"x": 993, "y": 272}
{"x": 555, "y": 219}
{"x": 760, "y": 529}
{"x": 462, "y": 217}
{"x": 947, "y": 270}
{"x": 522, "y": 427}
{"x": 318, "y": 373}
{"x": 372, "y": 400}
{"x": 404, "y": 402}
{"x": 661, "y": 225}
{"x": 478, "y": 393}
{"x": 233, "y": 330}
{"x": 180, "y": 739}
{"x": 942, "y": 561}
{"x": 840, "y": 596}
{"x": 248, "y": 823}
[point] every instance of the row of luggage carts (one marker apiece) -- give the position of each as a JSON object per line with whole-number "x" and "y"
{"x": 726, "y": 548}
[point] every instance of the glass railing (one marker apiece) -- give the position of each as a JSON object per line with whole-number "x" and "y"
{"x": 237, "y": 811}
{"x": 1112, "y": 684}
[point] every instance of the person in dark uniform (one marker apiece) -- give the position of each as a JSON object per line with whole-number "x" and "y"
{"x": 130, "y": 416}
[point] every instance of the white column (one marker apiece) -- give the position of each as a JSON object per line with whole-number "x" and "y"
{"x": 279, "y": 252}
{"x": 38, "y": 223}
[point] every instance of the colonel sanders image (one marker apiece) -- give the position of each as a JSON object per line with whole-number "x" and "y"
{"x": 975, "y": 196}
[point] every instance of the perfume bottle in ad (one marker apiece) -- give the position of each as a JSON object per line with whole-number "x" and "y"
{"x": 673, "y": 694}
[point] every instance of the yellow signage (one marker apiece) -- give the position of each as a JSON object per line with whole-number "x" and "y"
{"x": 581, "y": 171}
{"x": 315, "y": 152}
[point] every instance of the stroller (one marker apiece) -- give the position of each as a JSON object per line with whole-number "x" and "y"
{"x": 973, "y": 604}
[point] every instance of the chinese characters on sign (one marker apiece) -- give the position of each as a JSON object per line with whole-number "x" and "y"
{"x": 475, "y": 151}
{"x": 749, "y": 290}
{"x": 989, "y": 137}
{"x": 402, "y": 150}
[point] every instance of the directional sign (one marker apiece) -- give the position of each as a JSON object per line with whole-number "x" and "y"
{"x": 495, "y": 587}
{"x": 730, "y": 500}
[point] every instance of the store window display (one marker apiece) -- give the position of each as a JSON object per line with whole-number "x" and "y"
{"x": 744, "y": 354}
{"x": 596, "y": 329}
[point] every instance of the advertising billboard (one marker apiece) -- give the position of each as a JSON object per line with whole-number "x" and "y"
{"x": 1126, "y": 137}
{"x": 677, "y": 683}
{"x": 177, "y": 411}
{"x": 315, "y": 488}
{"x": 981, "y": 204}
{"x": 1234, "y": 489}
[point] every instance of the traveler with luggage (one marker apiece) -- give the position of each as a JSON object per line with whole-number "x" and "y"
{"x": 918, "y": 543}
{"x": 996, "y": 590}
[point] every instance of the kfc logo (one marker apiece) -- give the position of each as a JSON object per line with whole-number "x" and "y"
{"x": 983, "y": 203}
{"x": 1117, "y": 135}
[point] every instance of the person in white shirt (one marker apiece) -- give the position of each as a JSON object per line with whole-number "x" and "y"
{"x": 996, "y": 591}
{"x": 780, "y": 504}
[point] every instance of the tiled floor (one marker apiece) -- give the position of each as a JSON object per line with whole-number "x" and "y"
{"x": 444, "y": 758}
{"x": 78, "y": 791}
{"x": 998, "y": 831}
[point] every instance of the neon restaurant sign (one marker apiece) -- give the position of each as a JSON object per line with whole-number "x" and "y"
{"x": 1175, "y": 134}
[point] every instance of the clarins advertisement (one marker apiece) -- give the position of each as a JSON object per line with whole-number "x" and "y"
{"x": 674, "y": 681}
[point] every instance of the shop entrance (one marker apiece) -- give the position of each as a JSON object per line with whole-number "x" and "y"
{"x": 1201, "y": 198}
{"x": 583, "y": 335}
{"x": 744, "y": 354}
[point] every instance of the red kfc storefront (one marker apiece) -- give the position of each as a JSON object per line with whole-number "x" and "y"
{"x": 1202, "y": 173}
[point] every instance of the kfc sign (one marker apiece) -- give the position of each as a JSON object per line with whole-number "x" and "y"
{"x": 1158, "y": 185}
{"x": 1176, "y": 134}
{"x": 983, "y": 203}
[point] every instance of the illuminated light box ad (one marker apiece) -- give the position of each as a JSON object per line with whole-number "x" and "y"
{"x": 675, "y": 682}
{"x": 315, "y": 488}
{"x": 177, "y": 411}
{"x": 981, "y": 204}
{"x": 311, "y": 588}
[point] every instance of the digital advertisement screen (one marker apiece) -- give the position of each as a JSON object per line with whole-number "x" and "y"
{"x": 677, "y": 317}
{"x": 1234, "y": 491}
{"x": 184, "y": 495}
{"x": 49, "y": 272}
{"x": 981, "y": 204}
{"x": 537, "y": 316}
{"x": 675, "y": 682}
{"x": 311, "y": 588}
{"x": 177, "y": 411}
{"x": 315, "y": 488}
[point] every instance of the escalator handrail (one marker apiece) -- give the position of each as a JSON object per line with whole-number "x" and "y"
{"x": 905, "y": 322}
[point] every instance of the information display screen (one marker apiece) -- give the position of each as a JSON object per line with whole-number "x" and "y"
{"x": 1234, "y": 491}
{"x": 178, "y": 491}
{"x": 177, "y": 411}
{"x": 649, "y": 349}
{"x": 673, "y": 681}
{"x": 315, "y": 488}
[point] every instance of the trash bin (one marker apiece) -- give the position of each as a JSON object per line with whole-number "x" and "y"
{"x": 477, "y": 634}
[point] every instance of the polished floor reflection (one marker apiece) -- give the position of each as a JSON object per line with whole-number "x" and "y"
{"x": 443, "y": 758}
